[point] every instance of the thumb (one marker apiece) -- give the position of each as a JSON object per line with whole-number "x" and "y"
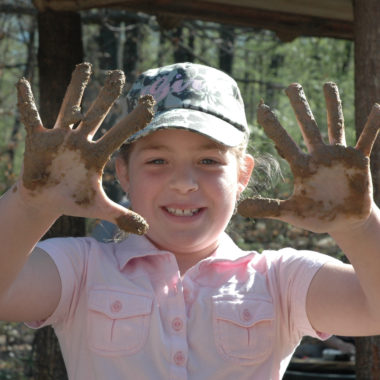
{"x": 132, "y": 222}
{"x": 259, "y": 207}
{"x": 125, "y": 219}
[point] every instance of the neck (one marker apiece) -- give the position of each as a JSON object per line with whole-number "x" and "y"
{"x": 188, "y": 258}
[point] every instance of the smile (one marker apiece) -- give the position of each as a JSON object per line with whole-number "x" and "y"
{"x": 182, "y": 212}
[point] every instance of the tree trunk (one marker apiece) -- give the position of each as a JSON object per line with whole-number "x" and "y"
{"x": 28, "y": 74}
{"x": 367, "y": 92}
{"x": 107, "y": 46}
{"x": 60, "y": 49}
{"x": 226, "y": 48}
{"x": 120, "y": 48}
{"x": 183, "y": 52}
{"x": 133, "y": 53}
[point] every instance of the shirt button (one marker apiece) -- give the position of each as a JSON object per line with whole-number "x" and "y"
{"x": 179, "y": 358}
{"x": 246, "y": 315}
{"x": 116, "y": 306}
{"x": 177, "y": 324}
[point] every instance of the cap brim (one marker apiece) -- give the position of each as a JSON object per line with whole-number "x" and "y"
{"x": 196, "y": 121}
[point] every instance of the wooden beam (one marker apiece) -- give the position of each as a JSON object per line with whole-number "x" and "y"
{"x": 337, "y": 9}
{"x": 367, "y": 92}
{"x": 286, "y": 25}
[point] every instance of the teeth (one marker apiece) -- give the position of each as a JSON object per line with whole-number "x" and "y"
{"x": 181, "y": 212}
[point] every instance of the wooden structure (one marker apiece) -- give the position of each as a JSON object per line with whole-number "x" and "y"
{"x": 288, "y": 18}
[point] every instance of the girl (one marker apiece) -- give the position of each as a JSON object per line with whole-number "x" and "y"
{"x": 183, "y": 301}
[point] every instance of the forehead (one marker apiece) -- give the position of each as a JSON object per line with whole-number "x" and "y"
{"x": 175, "y": 138}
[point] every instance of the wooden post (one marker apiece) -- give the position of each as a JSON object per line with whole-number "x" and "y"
{"x": 60, "y": 49}
{"x": 226, "y": 50}
{"x": 367, "y": 92}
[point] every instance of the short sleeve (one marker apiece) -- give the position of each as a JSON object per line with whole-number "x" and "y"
{"x": 290, "y": 274}
{"x": 70, "y": 256}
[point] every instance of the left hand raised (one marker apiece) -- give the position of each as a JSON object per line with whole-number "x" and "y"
{"x": 63, "y": 166}
{"x": 332, "y": 183}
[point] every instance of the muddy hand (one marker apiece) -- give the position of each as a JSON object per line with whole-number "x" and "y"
{"x": 332, "y": 183}
{"x": 63, "y": 166}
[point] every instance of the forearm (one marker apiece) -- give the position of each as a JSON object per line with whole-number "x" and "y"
{"x": 22, "y": 226}
{"x": 362, "y": 247}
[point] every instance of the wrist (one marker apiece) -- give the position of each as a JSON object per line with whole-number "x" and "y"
{"x": 33, "y": 206}
{"x": 359, "y": 229}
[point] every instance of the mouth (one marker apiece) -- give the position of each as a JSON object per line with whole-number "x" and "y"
{"x": 182, "y": 212}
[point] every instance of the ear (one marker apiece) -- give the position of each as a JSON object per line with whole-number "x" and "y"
{"x": 122, "y": 173}
{"x": 245, "y": 172}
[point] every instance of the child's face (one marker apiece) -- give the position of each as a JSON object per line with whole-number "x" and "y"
{"x": 185, "y": 186}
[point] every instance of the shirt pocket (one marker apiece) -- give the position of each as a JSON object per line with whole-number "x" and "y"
{"x": 118, "y": 322}
{"x": 244, "y": 329}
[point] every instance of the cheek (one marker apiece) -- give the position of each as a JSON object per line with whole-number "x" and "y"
{"x": 134, "y": 195}
{"x": 226, "y": 188}
{"x": 143, "y": 190}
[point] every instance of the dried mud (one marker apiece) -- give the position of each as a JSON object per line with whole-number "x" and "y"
{"x": 302, "y": 205}
{"x": 335, "y": 119}
{"x": 68, "y": 157}
{"x": 354, "y": 162}
{"x": 133, "y": 223}
{"x": 40, "y": 151}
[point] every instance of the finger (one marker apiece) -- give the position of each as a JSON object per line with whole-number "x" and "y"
{"x": 304, "y": 116}
{"x": 27, "y": 106}
{"x": 288, "y": 210}
{"x": 124, "y": 218}
{"x": 335, "y": 119}
{"x": 139, "y": 118}
{"x": 98, "y": 111}
{"x": 285, "y": 145}
{"x": 70, "y": 112}
{"x": 132, "y": 222}
{"x": 370, "y": 130}
{"x": 260, "y": 208}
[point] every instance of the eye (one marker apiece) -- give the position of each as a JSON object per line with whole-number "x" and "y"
{"x": 209, "y": 161}
{"x": 156, "y": 161}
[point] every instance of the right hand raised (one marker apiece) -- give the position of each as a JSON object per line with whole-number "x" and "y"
{"x": 332, "y": 182}
{"x": 63, "y": 166}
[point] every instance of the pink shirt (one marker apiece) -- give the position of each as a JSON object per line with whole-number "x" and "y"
{"x": 125, "y": 313}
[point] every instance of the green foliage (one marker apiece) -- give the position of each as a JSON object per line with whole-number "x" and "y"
{"x": 14, "y": 40}
{"x": 15, "y": 351}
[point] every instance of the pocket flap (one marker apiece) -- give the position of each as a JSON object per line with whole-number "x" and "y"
{"x": 117, "y": 305}
{"x": 245, "y": 312}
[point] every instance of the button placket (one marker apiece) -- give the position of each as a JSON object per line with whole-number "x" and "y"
{"x": 179, "y": 358}
{"x": 176, "y": 328}
{"x": 177, "y": 324}
{"x": 186, "y": 295}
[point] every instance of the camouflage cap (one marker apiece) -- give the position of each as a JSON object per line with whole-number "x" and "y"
{"x": 192, "y": 97}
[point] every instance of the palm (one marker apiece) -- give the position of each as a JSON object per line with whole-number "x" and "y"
{"x": 63, "y": 166}
{"x": 332, "y": 184}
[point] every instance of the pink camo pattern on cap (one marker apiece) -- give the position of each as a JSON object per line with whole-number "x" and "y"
{"x": 161, "y": 87}
{"x": 194, "y": 97}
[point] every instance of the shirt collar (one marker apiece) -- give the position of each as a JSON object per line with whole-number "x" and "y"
{"x": 228, "y": 251}
{"x": 135, "y": 246}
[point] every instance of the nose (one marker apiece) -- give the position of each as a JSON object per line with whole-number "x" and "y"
{"x": 184, "y": 179}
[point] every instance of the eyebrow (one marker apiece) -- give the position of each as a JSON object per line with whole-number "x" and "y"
{"x": 154, "y": 147}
